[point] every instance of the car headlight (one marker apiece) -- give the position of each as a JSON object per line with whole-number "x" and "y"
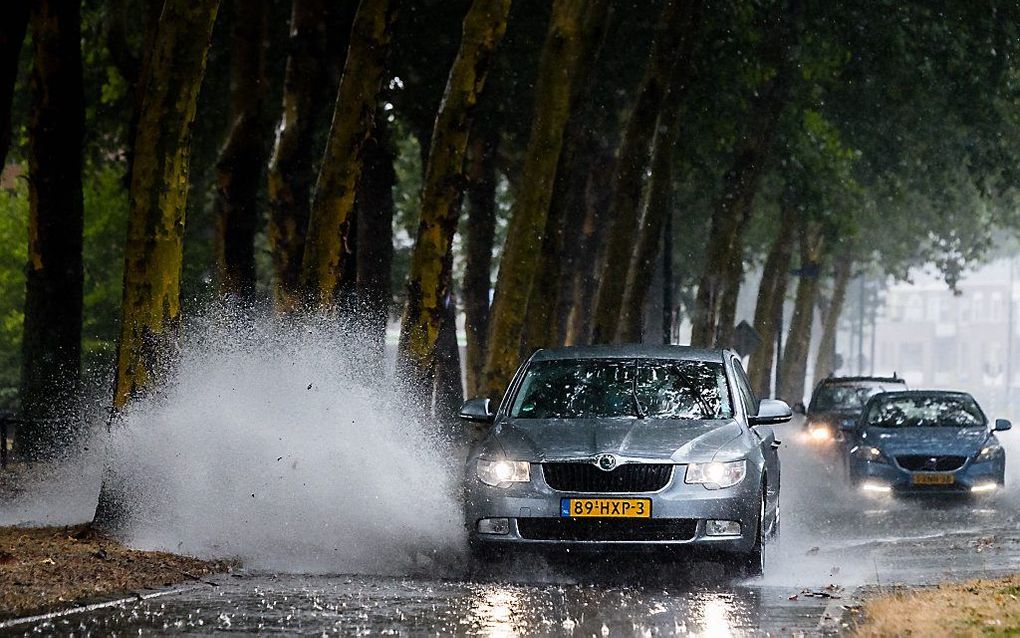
{"x": 716, "y": 475}
{"x": 988, "y": 453}
{"x": 502, "y": 473}
{"x": 820, "y": 432}
{"x": 871, "y": 454}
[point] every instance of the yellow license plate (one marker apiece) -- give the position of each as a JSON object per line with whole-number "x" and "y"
{"x": 932, "y": 478}
{"x": 606, "y": 508}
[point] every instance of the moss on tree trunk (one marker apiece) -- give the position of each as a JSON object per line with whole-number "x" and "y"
{"x": 306, "y": 100}
{"x": 429, "y": 280}
{"x": 558, "y": 66}
{"x": 158, "y": 193}
{"x": 332, "y": 212}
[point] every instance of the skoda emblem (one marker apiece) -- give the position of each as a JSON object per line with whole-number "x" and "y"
{"x": 606, "y": 462}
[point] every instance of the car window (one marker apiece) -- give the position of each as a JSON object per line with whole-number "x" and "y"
{"x": 592, "y": 388}
{"x": 925, "y": 411}
{"x": 846, "y": 397}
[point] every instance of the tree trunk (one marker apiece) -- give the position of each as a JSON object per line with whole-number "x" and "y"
{"x": 825, "y": 362}
{"x": 430, "y": 278}
{"x": 290, "y": 166}
{"x": 667, "y": 280}
{"x": 375, "y": 238}
{"x": 12, "y": 35}
{"x": 557, "y": 68}
{"x": 628, "y": 317}
{"x": 481, "y": 230}
{"x": 670, "y": 43}
{"x": 51, "y": 342}
{"x": 719, "y": 285}
{"x": 591, "y": 247}
{"x": 239, "y": 168}
{"x": 448, "y": 394}
{"x": 798, "y": 342}
{"x": 771, "y": 298}
{"x": 329, "y": 224}
{"x": 543, "y": 328}
{"x": 158, "y": 193}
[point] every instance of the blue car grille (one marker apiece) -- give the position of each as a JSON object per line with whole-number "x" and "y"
{"x": 930, "y": 462}
{"x": 585, "y": 477}
{"x": 580, "y": 529}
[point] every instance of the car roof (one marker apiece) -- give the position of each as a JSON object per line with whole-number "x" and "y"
{"x": 631, "y": 351}
{"x": 838, "y": 380}
{"x": 906, "y": 394}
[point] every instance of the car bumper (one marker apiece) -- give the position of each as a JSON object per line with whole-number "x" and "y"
{"x": 679, "y": 518}
{"x": 971, "y": 479}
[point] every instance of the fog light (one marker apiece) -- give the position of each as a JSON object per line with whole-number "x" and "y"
{"x": 821, "y": 434}
{"x": 984, "y": 487}
{"x": 722, "y": 528}
{"x": 876, "y": 488}
{"x": 499, "y": 526}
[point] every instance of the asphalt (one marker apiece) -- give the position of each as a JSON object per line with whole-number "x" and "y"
{"x": 833, "y": 543}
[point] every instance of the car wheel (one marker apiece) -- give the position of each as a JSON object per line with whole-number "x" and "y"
{"x": 752, "y": 563}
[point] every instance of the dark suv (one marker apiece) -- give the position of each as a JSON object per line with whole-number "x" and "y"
{"x": 837, "y": 402}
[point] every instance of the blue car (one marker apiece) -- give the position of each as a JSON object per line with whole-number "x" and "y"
{"x": 926, "y": 442}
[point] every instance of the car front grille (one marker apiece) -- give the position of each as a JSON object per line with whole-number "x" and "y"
{"x": 585, "y": 477}
{"x": 581, "y": 529}
{"x": 930, "y": 463}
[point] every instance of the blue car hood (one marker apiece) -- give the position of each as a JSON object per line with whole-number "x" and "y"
{"x": 942, "y": 440}
{"x": 539, "y": 440}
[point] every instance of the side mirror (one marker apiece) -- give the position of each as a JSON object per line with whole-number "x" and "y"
{"x": 772, "y": 412}
{"x": 798, "y": 408}
{"x": 477, "y": 411}
{"x": 1001, "y": 425}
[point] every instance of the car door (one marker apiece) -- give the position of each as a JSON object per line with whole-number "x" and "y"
{"x": 763, "y": 436}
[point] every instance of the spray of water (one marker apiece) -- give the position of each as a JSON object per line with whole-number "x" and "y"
{"x": 280, "y": 445}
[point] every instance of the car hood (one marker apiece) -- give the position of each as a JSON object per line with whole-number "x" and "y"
{"x": 539, "y": 440}
{"x": 942, "y": 440}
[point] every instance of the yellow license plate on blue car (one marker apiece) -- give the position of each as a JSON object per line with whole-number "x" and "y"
{"x": 932, "y": 478}
{"x": 606, "y": 508}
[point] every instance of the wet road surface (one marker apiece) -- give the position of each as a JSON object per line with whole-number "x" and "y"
{"x": 832, "y": 543}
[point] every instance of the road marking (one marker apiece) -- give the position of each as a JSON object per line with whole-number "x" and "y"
{"x": 13, "y": 622}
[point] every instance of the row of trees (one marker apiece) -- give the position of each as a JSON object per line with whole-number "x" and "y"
{"x": 372, "y": 159}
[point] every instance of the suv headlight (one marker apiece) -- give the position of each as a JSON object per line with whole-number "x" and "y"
{"x": 871, "y": 454}
{"x": 502, "y": 473}
{"x": 988, "y": 453}
{"x": 716, "y": 475}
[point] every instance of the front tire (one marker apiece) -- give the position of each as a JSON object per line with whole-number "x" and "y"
{"x": 752, "y": 564}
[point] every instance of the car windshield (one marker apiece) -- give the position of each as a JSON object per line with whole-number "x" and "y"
{"x": 848, "y": 398}
{"x": 592, "y": 388}
{"x": 926, "y": 412}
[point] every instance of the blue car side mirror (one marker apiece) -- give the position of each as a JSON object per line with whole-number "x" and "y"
{"x": 1001, "y": 425}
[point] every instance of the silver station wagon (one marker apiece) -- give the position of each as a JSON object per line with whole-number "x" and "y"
{"x": 616, "y": 448}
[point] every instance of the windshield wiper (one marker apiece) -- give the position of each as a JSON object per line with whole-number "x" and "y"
{"x": 639, "y": 410}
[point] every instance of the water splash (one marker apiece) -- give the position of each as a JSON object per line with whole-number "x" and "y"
{"x": 279, "y": 444}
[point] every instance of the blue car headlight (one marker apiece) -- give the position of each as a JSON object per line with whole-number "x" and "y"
{"x": 500, "y": 473}
{"x": 989, "y": 453}
{"x": 871, "y": 454}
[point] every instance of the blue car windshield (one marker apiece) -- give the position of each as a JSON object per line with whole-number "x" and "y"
{"x": 594, "y": 388}
{"x": 926, "y": 412}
